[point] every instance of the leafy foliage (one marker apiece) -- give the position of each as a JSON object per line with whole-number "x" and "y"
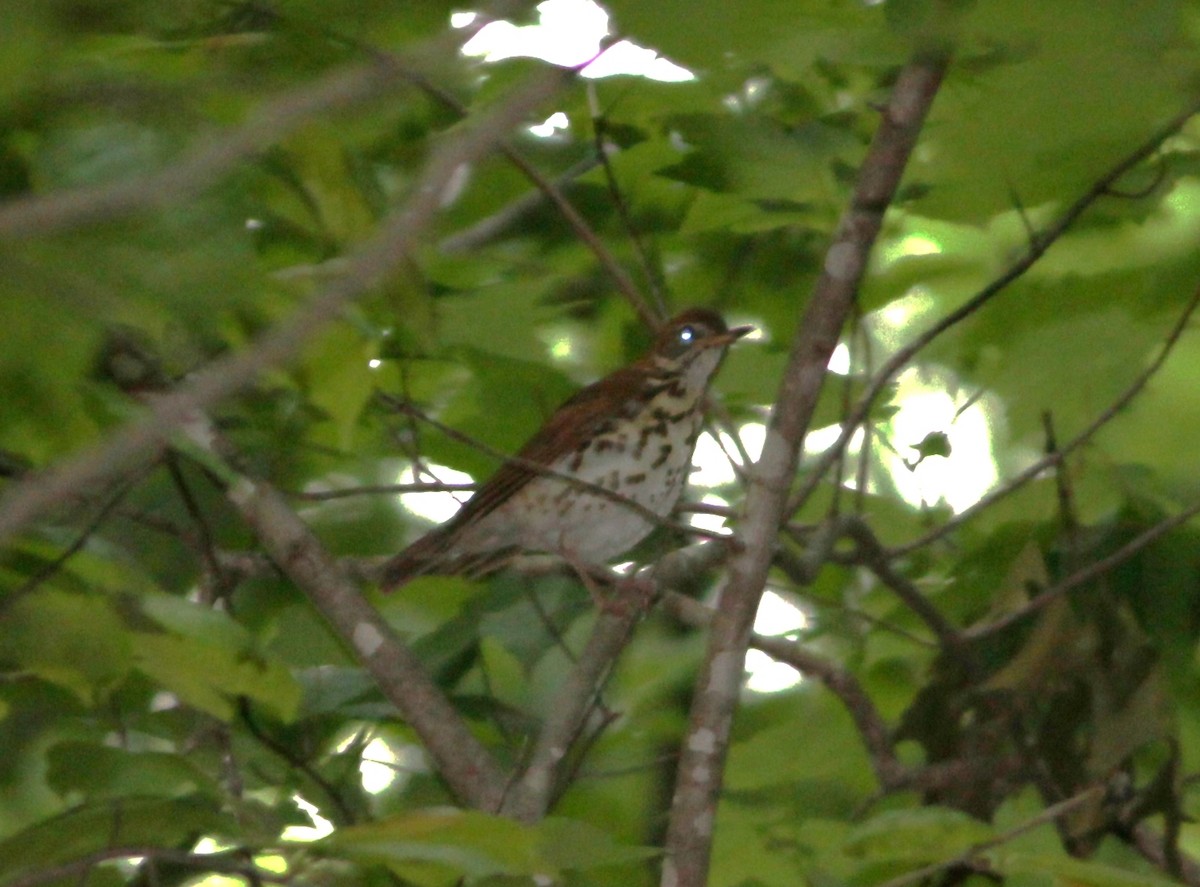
{"x": 166, "y": 689}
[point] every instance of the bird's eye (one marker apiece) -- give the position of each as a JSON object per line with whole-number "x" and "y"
{"x": 686, "y": 335}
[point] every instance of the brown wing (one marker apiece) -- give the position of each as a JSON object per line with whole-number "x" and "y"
{"x": 581, "y": 416}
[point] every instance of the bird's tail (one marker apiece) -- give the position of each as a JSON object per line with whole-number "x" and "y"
{"x": 419, "y": 559}
{"x": 433, "y": 555}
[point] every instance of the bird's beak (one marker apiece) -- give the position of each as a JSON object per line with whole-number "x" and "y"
{"x": 731, "y": 336}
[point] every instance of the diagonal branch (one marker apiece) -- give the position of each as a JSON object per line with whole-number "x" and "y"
{"x": 468, "y": 768}
{"x": 400, "y": 232}
{"x": 876, "y": 735}
{"x": 534, "y": 788}
{"x": 1038, "y": 245}
{"x": 699, "y": 776}
{"x": 1059, "y": 453}
{"x": 203, "y": 163}
{"x": 971, "y": 856}
{"x": 1085, "y": 574}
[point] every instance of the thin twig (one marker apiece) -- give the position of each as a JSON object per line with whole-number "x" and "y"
{"x": 653, "y": 278}
{"x": 483, "y": 232}
{"x": 102, "y": 514}
{"x": 1056, "y": 457}
{"x": 534, "y": 789}
{"x": 1037, "y": 248}
{"x": 573, "y": 700}
{"x": 1084, "y": 575}
{"x": 382, "y": 490}
{"x": 226, "y": 863}
{"x": 1155, "y": 849}
{"x": 204, "y": 537}
{"x": 31, "y": 497}
{"x": 968, "y": 857}
{"x": 565, "y": 208}
{"x": 871, "y": 554}
{"x": 344, "y": 815}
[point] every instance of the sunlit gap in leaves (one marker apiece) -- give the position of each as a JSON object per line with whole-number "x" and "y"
{"x": 568, "y": 32}
{"x": 269, "y": 862}
{"x": 940, "y": 436}
{"x": 307, "y": 833}
{"x": 382, "y": 764}
{"x": 938, "y": 445}
{"x": 711, "y": 469}
{"x": 437, "y": 506}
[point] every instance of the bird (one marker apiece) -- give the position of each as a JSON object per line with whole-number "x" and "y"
{"x": 600, "y": 474}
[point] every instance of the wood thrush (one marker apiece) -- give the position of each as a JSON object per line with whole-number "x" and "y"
{"x": 593, "y": 481}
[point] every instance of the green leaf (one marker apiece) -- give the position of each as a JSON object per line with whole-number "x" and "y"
{"x": 503, "y": 404}
{"x": 571, "y": 845}
{"x": 132, "y": 822}
{"x": 463, "y": 843}
{"x": 75, "y": 641}
{"x": 211, "y": 677}
{"x": 935, "y": 443}
{"x": 340, "y": 379}
{"x": 1076, "y": 871}
{"x": 100, "y": 772}
{"x": 916, "y": 837}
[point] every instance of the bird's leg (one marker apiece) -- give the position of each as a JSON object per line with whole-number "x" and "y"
{"x": 624, "y": 588}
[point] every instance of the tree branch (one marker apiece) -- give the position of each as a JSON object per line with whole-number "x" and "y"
{"x": 968, "y": 857}
{"x": 470, "y": 771}
{"x": 876, "y": 735}
{"x": 223, "y": 863}
{"x": 699, "y": 776}
{"x": 533, "y": 791}
{"x": 1038, "y": 245}
{"x": 1085, "y": 574}
{"x": 1058, "y": 454}
{"x": 400, "y": 232}
{"x": 204, "y": 162}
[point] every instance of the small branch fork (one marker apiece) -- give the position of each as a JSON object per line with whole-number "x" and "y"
{"x": 468, "y": 768}
{"x": 699, "y": 776}
{"x": 1038, "y": 245}
{"x": 32, "y": 497}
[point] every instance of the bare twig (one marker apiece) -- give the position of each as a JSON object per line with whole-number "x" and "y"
{"x": 31, "y": 497}
{"x": 224, "y": 863}
{"x": 872, "y": 555}
{"x": 1154, "y": 849}
{"x": 1038, "y": 246}
{"x": 102, "y": 514}
{"x": 1084, "y": 574}
{"x": 203, "y": 535}
{"x": 203, "y": 163}
{"x": 494, "y": 226}
{"x": 1062, "y": 451}
{"x": 565, "y": 208}
{"x": 534, "y": 790}
{"x": 574, "y": 699}
{"x": 871, "y": 727}
{"x": 382, "y": 490}
{"x": 345, "y": 816}
{"x": 699, "y": 776}
{"x": 653, "y": 278}
{"x": 970, "y": 856}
